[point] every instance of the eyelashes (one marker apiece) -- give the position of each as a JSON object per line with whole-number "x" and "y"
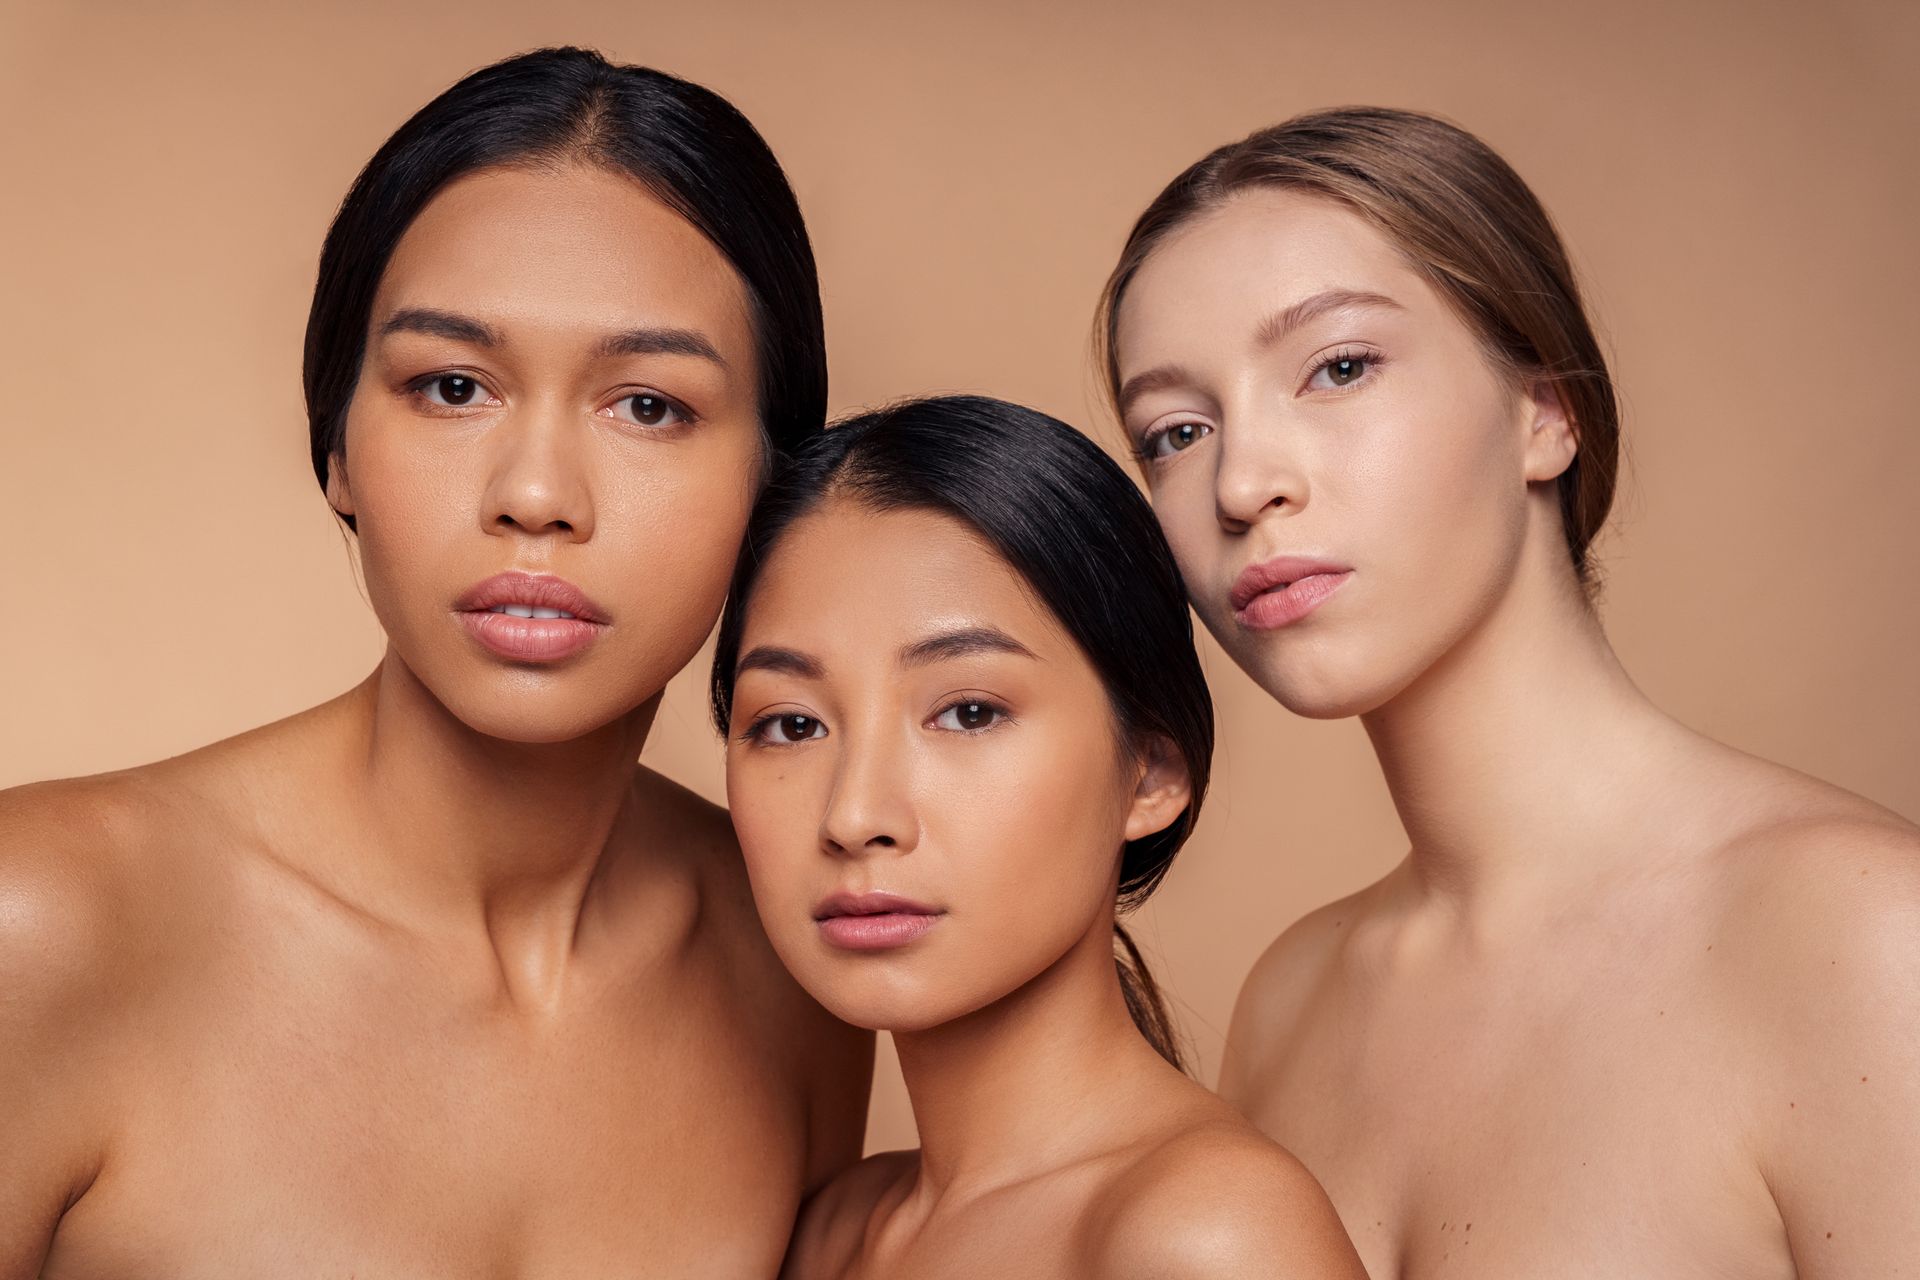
{"x": 450, "y": 391}
{"x": 1342, "y": 370}
{"x": 966, "y": 715}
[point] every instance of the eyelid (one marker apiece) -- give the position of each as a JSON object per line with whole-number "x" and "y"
{"x": 1143, "y": 452}
{"x": 418, "y": 387}
{"x": 1002, "y": 713}
{"x": 678, "y": 407}
{"x": 1369, "y": 355}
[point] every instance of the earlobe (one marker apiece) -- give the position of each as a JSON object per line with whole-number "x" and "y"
{"x": 1164, "y": 789}
{"x": 339, "y": 492}
{"x": 1553, "y": 439}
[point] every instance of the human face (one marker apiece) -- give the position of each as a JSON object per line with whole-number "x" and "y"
{"x": 557, "y": 412}
{"x": 924, "y": 771}
{"x": 1347, "y": 480}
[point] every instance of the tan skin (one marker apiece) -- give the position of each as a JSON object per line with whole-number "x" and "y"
{"x": 925, "y": 727}
{"x": 1636, "y": 1003}
{"x": 434, "y": 980}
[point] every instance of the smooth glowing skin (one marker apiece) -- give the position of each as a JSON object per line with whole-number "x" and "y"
{"x": 433, "y": 980}
{"x": 1056, "y": 1142}
{"x": 1635, "y": 1003}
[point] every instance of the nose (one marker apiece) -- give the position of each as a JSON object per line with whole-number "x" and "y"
{"x": 870, "y": 811}
{"x": 1260, "y": 474}
{"x": 538, "y": 482}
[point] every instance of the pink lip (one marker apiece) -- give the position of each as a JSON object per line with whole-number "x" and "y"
{"x": 530, "y": 639}
{"x": 873, "y": 921}
{"x": 1279, "y": 592}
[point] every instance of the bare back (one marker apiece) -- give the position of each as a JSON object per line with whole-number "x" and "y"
{"x": 216, "y": 1066}
{"x": 1709, "y": 1066}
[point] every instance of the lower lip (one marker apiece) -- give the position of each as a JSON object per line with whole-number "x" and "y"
{"x": 1284, "y": 606}
{"x": 531, "y": 639}
{"x": 875, "y": 933}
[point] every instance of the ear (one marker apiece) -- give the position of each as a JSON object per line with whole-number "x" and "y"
{"x": 339, "y": 492}
{"x": 1553, "y": 438}
{"x": 1162, "y": 790}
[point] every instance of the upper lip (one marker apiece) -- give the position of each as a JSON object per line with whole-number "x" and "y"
{"x": 534, "y": 590}
{"x": 1280, "y": 571}
{"x": 871, "y": 904}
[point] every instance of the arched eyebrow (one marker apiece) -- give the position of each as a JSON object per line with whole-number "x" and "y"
{"x": 439, "y": 324}
{"x": 963, "y": 642}
{"x": 768, "y": 657}
{"x": 1281, "y": 323}
{"x": 662, "y": 342}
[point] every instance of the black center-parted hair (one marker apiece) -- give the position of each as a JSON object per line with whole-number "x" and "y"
{"x": 1070, "y": 522}
{"x": 691, "y": 149}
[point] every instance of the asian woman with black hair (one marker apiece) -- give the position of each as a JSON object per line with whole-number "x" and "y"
{"x": 434, "y": 979}
{"x": 966, "y": 726}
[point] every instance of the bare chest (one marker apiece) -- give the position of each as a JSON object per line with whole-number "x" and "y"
{"x": 1585, "y": 1129}
{"x": 347, "y": 1123}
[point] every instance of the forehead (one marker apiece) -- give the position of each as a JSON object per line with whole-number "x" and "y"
{"x": 845, "y": 578}
{"x": 571, "y": 246}
{"x": 1261, "y": 251}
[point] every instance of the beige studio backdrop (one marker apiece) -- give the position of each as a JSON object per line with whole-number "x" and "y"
{"x": 1737, "y": 183}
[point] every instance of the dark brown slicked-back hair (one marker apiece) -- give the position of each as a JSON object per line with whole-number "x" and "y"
{"x": 1466, "y": 221}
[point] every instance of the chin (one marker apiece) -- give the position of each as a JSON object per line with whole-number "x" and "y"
{"x": 534, "y": 716}
{"x": 1319, "y": 689}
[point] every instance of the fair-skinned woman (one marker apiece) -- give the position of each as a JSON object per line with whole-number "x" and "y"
{"x": 965, "y": 725}
{"x": 1635, "y": 1003}
{"x": 433, "y": 979}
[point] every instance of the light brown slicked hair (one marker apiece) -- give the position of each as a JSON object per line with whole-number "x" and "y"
{"x": 1466, "y": 221}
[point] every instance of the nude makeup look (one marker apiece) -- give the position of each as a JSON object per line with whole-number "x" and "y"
{"x": 1379, "y": 432}
{"x": 444, "y": 932}
{"x": 965, "y": 727}
{"x": 554, "y": 432}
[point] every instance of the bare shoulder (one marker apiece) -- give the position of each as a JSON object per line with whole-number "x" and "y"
{"x": 1281, "y": 988}
{"x": 82, "y": 928}
{"x": 1219, "y": 1200}
{"x": 833, "y": 1222}
{"x": 75, "y": 892}
{"x": 1819, "y": 895}
{"x": 1819, "y": 874}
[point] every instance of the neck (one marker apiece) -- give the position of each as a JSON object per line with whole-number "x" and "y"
{"x": 1511, "y": 759}
{"x": 1002, "y": 1094}
{"x": 467, "y": 830}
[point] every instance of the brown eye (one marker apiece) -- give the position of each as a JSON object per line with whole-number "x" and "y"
{"x": 452, "y": 390}
{"x": 1178, "y": 437}
{"x": 970, "y": 716}
{"x": 787, "y": 729}
{"x": 1343, "y": 371}
{"x": 651, "y": 409}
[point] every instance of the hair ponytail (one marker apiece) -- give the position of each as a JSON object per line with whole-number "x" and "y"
{"x": 1144, "y": 1001}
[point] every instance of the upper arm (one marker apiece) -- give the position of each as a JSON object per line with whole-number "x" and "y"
{"x": 1837, "y": 1002}
{"x": 50, "y": 995}
{"x": 1224, "y": 1208}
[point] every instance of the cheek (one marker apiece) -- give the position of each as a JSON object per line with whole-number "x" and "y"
{"x": 1031, "y": 840}
{"x": 412, "y": 500}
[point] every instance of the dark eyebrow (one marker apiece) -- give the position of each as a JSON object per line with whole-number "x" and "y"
{"x": 439, "y": 324}
{"x": 768, "y": 657}
{"x": 961, "y": 643}
{"x": 1281, "y": 323}
{"x": 662, "y": 342}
